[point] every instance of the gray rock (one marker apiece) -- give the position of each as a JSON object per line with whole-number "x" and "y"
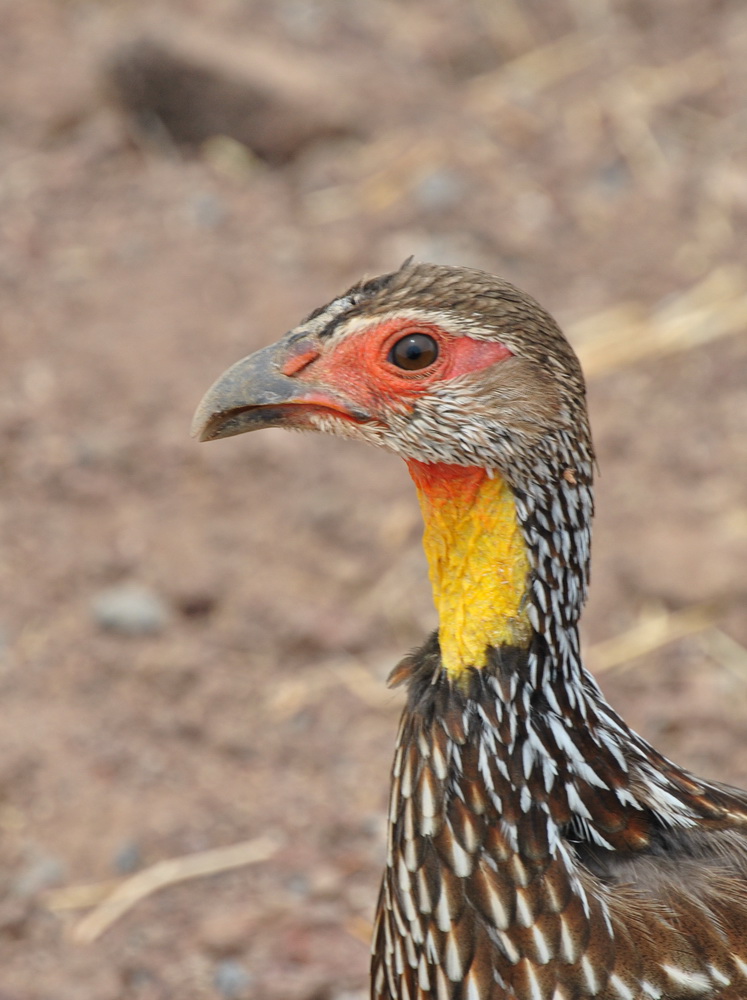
{"x": 440, "y": 189}
{"x": 40, "y": 874}
{"x": 130, "y": 609}
{"x": 207, "y": 210}
{"x": 128, "y": 858}
{"x": 231, "y": 979}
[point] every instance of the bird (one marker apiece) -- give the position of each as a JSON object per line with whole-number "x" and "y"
{"x": 537, "y": 847}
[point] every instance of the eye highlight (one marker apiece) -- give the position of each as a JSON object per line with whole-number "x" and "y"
{"x": 414, "y": 352}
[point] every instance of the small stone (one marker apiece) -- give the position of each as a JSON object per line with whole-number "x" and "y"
{"x": 42, "y": 873}
{"x": 196, "y": 603}
{"x": 231, "y": 979}
{"x": 128, "y": 858}
{"x": 299, "y": 885}
{"x": 130, "y": 609}
{"x": 439, "y": 190}
{"x": 207, "y": 210}
{"x": 614, "y": 176}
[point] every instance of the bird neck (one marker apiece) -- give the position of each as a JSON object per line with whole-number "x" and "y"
{"x": 479, "y": 563}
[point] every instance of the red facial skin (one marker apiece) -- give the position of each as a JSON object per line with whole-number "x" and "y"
{"x": 358, "y": 369}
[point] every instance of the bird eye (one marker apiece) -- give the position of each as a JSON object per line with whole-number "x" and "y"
{"x": 414, "y": 352}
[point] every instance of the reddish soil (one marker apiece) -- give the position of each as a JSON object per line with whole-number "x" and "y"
{"x": 593, "y": 155}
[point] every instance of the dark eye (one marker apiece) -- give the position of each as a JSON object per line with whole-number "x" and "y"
{"x": 414, "y": 352}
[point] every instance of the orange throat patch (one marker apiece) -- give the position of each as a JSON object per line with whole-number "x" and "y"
{"x": 479, "y": 566}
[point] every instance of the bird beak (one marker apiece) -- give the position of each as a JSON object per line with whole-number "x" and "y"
{"x": 256, "y": 392}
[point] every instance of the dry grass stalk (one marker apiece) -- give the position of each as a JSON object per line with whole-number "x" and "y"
{"x": 530, "y": 73}
{"x": 296, "y": 693}
{"x": 80, "y": 897}
{"x": 162, "y": 874}
{"x": 727, "y": 652}
{"x": 363, "y": 684}
{"x": 648, "y": 635}
{"x": 622, "y": 335}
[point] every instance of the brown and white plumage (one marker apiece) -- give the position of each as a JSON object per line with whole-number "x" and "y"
{"x": 538, "y": 849}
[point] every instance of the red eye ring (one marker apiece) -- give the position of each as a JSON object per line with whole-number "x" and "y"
{"x": 414, "y": 352}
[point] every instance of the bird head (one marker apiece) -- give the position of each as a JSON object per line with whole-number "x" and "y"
{"x": 474, "y": 385}
{"x": 438, "y": 364}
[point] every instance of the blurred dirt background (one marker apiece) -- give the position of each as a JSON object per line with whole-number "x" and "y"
{"x": 194, "y": 639}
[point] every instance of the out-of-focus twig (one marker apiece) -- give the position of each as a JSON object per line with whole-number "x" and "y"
{"x": 163, "y": 874}
{"x": 624, "y": 334}
{"x": 727, "y": 652}
{"x": 648, "y": 635}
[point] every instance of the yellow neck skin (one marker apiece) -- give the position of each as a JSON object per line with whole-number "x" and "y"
{"x": 478, "y": 563}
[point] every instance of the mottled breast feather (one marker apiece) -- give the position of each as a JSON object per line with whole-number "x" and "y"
{"x": 526, "y": 859}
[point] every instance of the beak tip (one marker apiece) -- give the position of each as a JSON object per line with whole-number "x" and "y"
{"x": 239, "y": 389}
{"x": 200, "y": 427}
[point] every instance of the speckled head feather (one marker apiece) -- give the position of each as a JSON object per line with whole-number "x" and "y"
{"x": 540, "y": 392}
{"x": 538, "y": 848}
